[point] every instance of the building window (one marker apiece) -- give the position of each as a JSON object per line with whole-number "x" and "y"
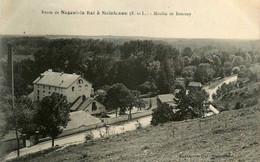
{"x": 43, "y": 91}
{"x": 43, "y": 86}
{"x": 72, "y": 88}
{"x": 79, "y": 86}
{"x": 49, "y": 92}
{"x": 49, "y": 87}
{"x": 55, "y": 89}
{"x": 80, "y": 81}
{"x": 38, "y": 86}
{"x": 94, "y": 106}
{"x": 38, "y": 92}
{"x": 38, "y": 98}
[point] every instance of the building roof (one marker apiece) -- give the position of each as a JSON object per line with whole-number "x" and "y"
{"x": 86, "y": 103}
{"x": 56, "y": 79}
{"x": 81, "y": 118}
{"x": 9, "y": 136}
{"x": 165, "y": 98}
{"x": 194, "y": 84}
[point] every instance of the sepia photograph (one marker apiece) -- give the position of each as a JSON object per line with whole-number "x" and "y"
{"x": 116, "y": 81}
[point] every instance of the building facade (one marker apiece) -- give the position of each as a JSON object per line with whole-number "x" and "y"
{"x": 70, "y": 85}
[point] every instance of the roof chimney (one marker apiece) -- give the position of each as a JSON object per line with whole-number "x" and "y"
{"x": 41, "y": 76}
{"x": 74, "y": 73}
{"x": 49, "y": 70}
{"x": 61, "y": 73}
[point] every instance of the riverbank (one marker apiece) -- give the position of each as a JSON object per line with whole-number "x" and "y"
{"x": 229, "y": 136}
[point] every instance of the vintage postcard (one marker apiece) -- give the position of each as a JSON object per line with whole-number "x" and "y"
{"x": 132, "y": 80}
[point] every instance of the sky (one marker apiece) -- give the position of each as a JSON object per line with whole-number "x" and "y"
{"x": 220, "y": 19}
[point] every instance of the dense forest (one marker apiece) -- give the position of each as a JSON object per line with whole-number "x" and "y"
{"x": 146, "y": 65}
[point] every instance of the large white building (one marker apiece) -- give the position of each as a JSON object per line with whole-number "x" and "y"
{"x": 70, "y": 85}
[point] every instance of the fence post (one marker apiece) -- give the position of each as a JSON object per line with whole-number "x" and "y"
{"x": 36, "y": 137}
{"x": 24, "y": 139}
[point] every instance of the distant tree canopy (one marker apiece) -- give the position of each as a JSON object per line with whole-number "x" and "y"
{"x": 187, "y": 52}
{"x": 134, "y": 62}
{"x": 137, "y": 49}
{"x": 69, "y": 54}
{"x": 237, "y": 60}
{"x": 227, "y": 68}
{"x": 189, "y": 71}
{"x": 204, "y": 73}
{"x": 147, "y": 87}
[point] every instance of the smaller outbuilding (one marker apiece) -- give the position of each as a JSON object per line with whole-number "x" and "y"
{"x": 194, "y": 85}
{"x": 81, "y": 121}
{"x": 166, "y": 98}
{"x": 88, "y": 104}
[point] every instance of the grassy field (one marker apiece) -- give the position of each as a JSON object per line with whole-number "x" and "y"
{"x": 231, "y": 135}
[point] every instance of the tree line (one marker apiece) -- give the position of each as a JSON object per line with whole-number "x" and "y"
{"x": 141, "y": 65}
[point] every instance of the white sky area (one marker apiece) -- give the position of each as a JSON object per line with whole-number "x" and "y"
{"x": 221, "y": 19}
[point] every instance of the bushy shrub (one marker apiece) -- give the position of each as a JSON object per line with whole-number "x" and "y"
{"x": 138, "y": 125}
{"x": 89, "y": 136}
{"x": 235, "y": 70}
{"x": 238, "y": 106}
{"x": 162, "y": 114}
{"x": 252, "y": 102}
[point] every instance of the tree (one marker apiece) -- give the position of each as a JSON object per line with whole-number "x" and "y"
{"x": 195, "y": 60}
{"x": 21, "y": 116}
{"x": 6, "y": 113}
{"x": 165, "y": 78}
{"x": 237, "y": 60}
{"x": 147, "y": 87}
{"x": 192, "y": 105}
{"x": 133, "y": 100}
{"x": 178, "y": 65}
{"x": 119, "y": 97}
{"x": 204, "y": 73}
{"x": 53, "y": 114}
{"x": 188, "y": 72}
{"x": 227, "y": 68}
{"x": 187, "y": 107}
{"x": 25, "y": 114}
{"x": 162, "y": 114}
{"x": 187, "y": 52}
{"x": 137, "y": 48}
{"x": 236, "y": 70}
